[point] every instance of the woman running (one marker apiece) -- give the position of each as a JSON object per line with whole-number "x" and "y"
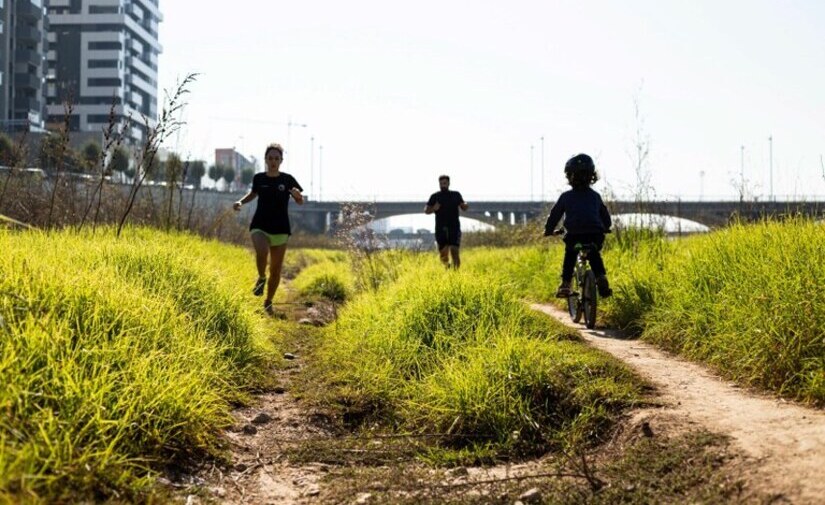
{"x": 270, "y": 229}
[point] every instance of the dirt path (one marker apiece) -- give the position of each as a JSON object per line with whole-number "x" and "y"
{"x": 259, "y": 443}
{"x": 260, "y": 472}
{"x": 785, "y": 442}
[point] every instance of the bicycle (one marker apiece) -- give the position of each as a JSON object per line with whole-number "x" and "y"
{"x": 584, "y": 298}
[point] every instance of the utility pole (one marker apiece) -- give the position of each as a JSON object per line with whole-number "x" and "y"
{"x": 701, "y": 184}
{"x": 742, "y": 175}
{"x": 543, "y": 197}
{"x": 531, "y": 172}
{"x": 289, "y": 126}
{"x": 320, "y": 170}
{"x": 770, "y": 143}
{"x": 311, "y": 165}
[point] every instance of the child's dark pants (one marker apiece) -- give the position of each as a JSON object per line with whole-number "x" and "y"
{"x": 593, "y": 256}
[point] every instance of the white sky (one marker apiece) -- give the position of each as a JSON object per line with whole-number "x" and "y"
{"x": 399, "y": 92}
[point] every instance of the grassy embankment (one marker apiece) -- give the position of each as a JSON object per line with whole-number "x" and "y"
{"x": 117, "y": 357}
{"x": 453, "y": 369}
{"x": 460, "y": 356}
{"x": 748, "y": 299}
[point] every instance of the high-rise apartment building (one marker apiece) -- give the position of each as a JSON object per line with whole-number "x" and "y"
{"x": 22, "y": 46}
{"x": 232, "y": 159}
{"x": 104, "y": 52}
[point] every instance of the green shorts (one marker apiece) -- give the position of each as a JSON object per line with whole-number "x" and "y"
{"x": 274, "y": 240}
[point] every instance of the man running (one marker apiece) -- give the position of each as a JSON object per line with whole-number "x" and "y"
{"x": 445, "y": 204}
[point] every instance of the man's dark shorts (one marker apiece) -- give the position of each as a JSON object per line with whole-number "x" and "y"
{"x": 448, "y": 236}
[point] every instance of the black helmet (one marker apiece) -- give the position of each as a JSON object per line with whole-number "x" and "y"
{"x": 580, "y": 171}
{"x": 580, "y": 164}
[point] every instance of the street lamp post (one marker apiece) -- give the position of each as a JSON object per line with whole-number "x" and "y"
{"x": 543, "y": 197}
{"x": 531, "y": 173}
{"x": 311, "y": 165}
{"x": 320, "y": 169}
{"x": 742, "y": 174}
{"x": 770, "y": 163}
{"x": 289, "y": 126}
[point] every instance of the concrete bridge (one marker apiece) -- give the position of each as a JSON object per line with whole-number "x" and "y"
{"x": 321, "y": 217}
{"x": 317, "y": 217}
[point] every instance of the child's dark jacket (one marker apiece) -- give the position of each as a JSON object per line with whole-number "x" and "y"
{"x": 583, "y": 210}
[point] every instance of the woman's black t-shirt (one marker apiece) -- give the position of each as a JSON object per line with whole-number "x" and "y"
{"x": 273, "y": 193}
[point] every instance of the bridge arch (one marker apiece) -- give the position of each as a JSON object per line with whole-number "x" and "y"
{"x": 670, "y": 224}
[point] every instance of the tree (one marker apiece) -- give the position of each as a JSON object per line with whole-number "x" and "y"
{"x": 197, "y": 169}
{"x": 246, "y": 176}
{"x": 52, "y": 149}
{"x": 228, "y": 176}
{"x": 119, "y": 162}
{"x": 173, "y": 169}
{"x": 90, "y": 155}
{"x": 174, "y": 173}
{"x": 154, "y": 169}
{"x": 216, "y": 173}
{"x": 7, "y": 150}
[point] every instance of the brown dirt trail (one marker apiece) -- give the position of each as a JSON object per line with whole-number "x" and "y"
{"x": 785, "y": 442}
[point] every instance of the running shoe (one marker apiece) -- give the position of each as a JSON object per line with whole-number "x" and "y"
{"x": 258, "y": 290}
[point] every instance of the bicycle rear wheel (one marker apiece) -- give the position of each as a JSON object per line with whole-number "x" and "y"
{"x": 589, "y": 299}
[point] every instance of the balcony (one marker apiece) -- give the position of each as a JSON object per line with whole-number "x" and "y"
{"x": 26, "y": 104}
{"x": 28, "y": 33}
{"x": 134, "y": 99}
{"x": 135, "y": 11}
{"x": 28, "y": 11}
{"x": 27, "y": 81}
{"x": 27, "y": 56}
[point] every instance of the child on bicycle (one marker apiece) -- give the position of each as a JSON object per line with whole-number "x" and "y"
{"x": 586, "y": 220}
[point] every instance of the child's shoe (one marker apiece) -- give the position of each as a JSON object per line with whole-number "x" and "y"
{"x": 604, "y": 287}
{"x": 564, "y": 290}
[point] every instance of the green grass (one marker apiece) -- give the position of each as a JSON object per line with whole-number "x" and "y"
{"x": 116, "y": 357}
{"x": 459, "y": 354}
{"x": 532, "y": 272}
{"x": 748, "y": 299}
{"x": 296, "y": 260}
{"x": 329, "y": 279}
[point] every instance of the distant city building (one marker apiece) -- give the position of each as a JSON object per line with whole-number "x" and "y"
{"x": 232, "y": 159}
{"x": 103, "y": 52}
{"x": 23, "y": 28}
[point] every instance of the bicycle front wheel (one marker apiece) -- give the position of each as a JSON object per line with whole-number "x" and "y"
{"x": 574, "y": 307}
{"x": 590, "y": 299}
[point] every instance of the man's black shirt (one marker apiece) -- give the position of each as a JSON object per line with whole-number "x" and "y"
{"x": 447, "y": 215}
{"x": 273, "y": 193}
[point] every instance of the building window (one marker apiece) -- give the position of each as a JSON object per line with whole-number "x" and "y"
{"x": 100, "y": 118}
{"x": 102, "y": 81}
{"x": 104, "y": 9}
{"x": 107, "y": 46}
{"x": 103, "y": 63}
{"x": 100, "y": 100}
